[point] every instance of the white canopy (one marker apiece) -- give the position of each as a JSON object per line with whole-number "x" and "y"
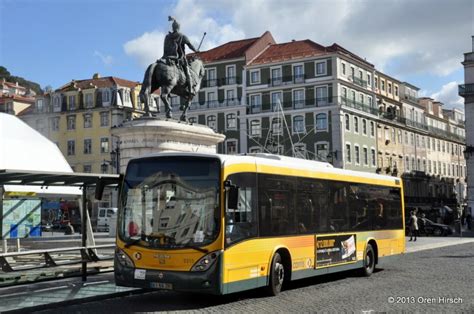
{"x": 23, "y": 148}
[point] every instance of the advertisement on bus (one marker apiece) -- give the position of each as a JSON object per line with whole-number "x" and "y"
{"x": 333, "y": 250}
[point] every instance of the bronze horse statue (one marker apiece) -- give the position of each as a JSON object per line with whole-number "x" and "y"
{"x": 171, "y": 79}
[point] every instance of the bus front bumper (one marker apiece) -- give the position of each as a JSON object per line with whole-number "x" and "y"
{"x": 204, "y": 282}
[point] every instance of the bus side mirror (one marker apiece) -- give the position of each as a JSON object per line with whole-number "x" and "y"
{"x": 232, "y": 197}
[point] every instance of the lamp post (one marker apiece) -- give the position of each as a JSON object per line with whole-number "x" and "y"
{"x": 468, "y": 153}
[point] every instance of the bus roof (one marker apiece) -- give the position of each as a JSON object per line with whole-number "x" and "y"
{"x": 282, "y": 161}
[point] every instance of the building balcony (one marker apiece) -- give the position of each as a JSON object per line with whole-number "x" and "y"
{"x": 220, "y": 82}
{"x": 359, "y": 81}
{"x": 351, "y": 103}
{"x": 212, "y": 104}
{"x": 287, "y": 80}
{"x": 466, "y": 90}
{"x": 293, "y": 105}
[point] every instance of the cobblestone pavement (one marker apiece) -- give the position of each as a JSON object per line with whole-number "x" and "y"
{"x": 413, "y": 282}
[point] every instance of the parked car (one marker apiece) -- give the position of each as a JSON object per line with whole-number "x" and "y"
{"x": 429, "y": 227}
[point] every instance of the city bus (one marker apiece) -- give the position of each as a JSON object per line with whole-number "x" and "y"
{"x": 220, "y": 224}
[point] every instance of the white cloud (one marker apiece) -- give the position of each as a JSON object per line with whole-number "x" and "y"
{"x": 425, "y": 36}
{"x": 106, "y": 59}
{"x": 448, "y": 95}
{"x": 146, "y": 48}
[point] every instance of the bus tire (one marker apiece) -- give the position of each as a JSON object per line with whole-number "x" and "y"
{"x": 369, "y": 261}
{"x": 277, "y": 276}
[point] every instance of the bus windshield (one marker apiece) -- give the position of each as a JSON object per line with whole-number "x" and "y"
{"x": 170, "y": 202}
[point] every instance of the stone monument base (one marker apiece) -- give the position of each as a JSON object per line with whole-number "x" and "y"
{"x": 146, "y": 136}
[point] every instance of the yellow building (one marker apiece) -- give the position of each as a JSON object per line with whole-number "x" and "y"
{"x": 79, "y": 116}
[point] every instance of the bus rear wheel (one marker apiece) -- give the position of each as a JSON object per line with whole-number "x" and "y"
{"x": 277, "y": 276}
{"x": 369, "y": 261}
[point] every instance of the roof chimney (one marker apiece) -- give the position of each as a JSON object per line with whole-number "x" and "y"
{"x": 472, "y": 37}
{"x": 96, "y": 76}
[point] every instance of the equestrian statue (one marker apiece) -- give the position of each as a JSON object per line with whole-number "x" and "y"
{"x": 173, "y": 73}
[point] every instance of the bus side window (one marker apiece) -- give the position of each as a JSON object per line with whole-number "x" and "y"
{"x": 241, "y": 223}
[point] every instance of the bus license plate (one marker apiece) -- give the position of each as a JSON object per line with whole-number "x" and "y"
{"x": 161, "y": 285}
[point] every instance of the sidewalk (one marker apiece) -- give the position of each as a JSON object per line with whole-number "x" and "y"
{"x": 427, "y": 243}
{"x": 44, "y": 295}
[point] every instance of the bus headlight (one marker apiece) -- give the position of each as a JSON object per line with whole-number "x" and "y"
{"x": 206, "y": 261}
{"x": 123, "y": 259}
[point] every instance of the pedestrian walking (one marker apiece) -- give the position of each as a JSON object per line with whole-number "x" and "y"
{"x": 469, "y": 220}
{"x": 413, "y": 225}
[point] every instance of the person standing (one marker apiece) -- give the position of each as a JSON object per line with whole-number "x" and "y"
{"x": 413, "y": 225}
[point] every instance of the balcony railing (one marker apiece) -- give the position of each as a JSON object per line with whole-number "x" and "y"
{"x": 220, "y": 82}
{"x": 466, "y": 90}
{"x": 211, "y": 104}
{"x": 286, "y": 80}
{"x": 357, "y": 105}
{"x": 359, "y": 81}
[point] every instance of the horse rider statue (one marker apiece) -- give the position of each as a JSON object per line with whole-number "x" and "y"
{"x": 174, "y": 51}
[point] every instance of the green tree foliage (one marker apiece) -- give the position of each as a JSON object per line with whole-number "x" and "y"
{"x": 5, "y": 74}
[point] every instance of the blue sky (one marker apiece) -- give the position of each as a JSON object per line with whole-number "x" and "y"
{"x": 53, "y": 41}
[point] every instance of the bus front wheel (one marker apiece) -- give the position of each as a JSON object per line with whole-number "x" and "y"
{"x": 369, "y": 261}
{"x": 277, "y": 275}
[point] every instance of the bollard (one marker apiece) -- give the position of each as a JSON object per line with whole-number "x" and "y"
{"x": 5, "y": 246}
{"x": 18, "y": 244}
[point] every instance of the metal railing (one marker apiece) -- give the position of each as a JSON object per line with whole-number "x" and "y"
{"x": 220, "y": 82}
{"x": 286, "y": 80}
{"x": 351, "y": 103}
{"x": 359, "y": 81}
{"x": 212, "y": 104}
{"x": 48, "y": 259}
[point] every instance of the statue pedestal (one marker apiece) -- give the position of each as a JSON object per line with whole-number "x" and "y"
{"x": 146, "y": 136}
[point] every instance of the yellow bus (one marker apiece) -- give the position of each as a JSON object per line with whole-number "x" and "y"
{"x": 225, "y": 223}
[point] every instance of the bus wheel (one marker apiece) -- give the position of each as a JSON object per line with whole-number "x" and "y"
{"x": 277, "y": 276}
{"x": 369, "y": 261}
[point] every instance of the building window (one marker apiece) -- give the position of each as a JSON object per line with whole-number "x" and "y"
{"x": 88, "y": 100}
{"x": 372, "y": 157}
{"x": 321, "y": 95}
{"x": 322, "y": 151}
{"x": 343, "y": 68}
{"x": 348, "y": 122}
{"x": 366, "y": 156}
{"x": 396, "y": 90}
{"x": 298, "y": 73}
{"x": 87, "y": 169}
{"x": 321, "y": 122}
{"x": 255, "y": 128}
{"x": 298, "y": 98}
{"x": 104, "y": 145}
{"x": 231, "y": 121}
{"x": 211, "y": 77}
{"x": 71, "y": 122}
{"x": 72, "y": 102}
{"x": 372, "y": 129}
{"x": 276, "y": 101}
{"x": 57, "y": 102}
{"x": 276, "y": 77}
{"x": 356, "y": 124}
{"x": 55, "y": 124}
{"x": 105, "y": 95}
{"x": 211, "y": 100}
{"x": 276, "y": 126}
{"x": 104, "y": 118}
{"x": 321, "y": 68}
{"x": 230, "y": 97}
{"x": 71, "y": 147}
{"x": 87, "y": 146}
{"x": 298, "y": 124}
{"x": 376, "y": 83}
{"x": 231, "y": 147}
{"x": 357, "y": 154}
{"x": 87, "y": 121}
{"x": 255, "y": 103}
{"x": 364, "y": 126}
{"x": 369, "y": 80}
{"x": 407, "y": 164}
{"x": 348, "y": 152}
{"x": 389, "y": 85}
{"x": 39, "y": 105}
{"x": 255, "y": 77}
{"x": 212, "y": 122}
{"x": 231, "y": 75}
{"x": 382, "y": 84}
{"x": 126, "y": 95}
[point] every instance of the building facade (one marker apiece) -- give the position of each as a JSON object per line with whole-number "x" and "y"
{"x": 14, "y": 98}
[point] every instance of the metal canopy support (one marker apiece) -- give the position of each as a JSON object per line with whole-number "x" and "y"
{"x": 83, "y": 229}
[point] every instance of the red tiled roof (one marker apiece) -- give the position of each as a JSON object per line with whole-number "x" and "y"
{"x": 230, "y": 50}
{"x": 336, "y": 48}
{"x": 108, "y": 81}
{"x": 290, "y": 50}
{"x": 12, "y": 85}
{"x": 25, "y": 99}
